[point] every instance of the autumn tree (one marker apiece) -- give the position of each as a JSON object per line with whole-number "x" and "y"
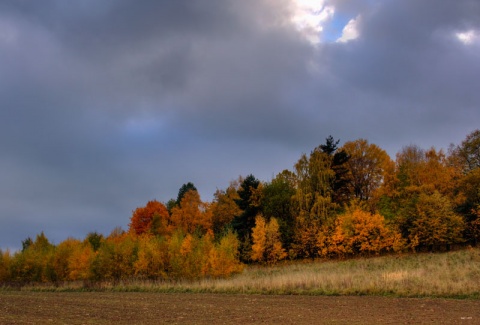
{"x": 425, "y": 170}
{"x": 313, "y": 197}
{"x": 192, "y": 214}
{"x": 152, "y": 258}
{"x": 81, "y": 259}
{"x": 469, "y": 207}
{"x": 467, "y": 155}
{"x": 422, "y": 174}
{"x": 63, "y": 252}
{"x": 277, "y": 203}
{"x": 468, "y": 152}
{"x": 193, "y": 256}
{"x": 259, "y": 238}
{"x": 358, "y": 232}
{"x": 115, "y": 258}
{"x": 225, "y": 208}
{"x": 367, "y": 166}
{"x": 153, "y": 218}
{"x": 435, "y": 223}
{"x": 5, "y": 262}
{"x": 223, "y": 259}
{"x": 35, "y": 262}
{"x": 267, "y": 246}
{"x": 320, "y": 192}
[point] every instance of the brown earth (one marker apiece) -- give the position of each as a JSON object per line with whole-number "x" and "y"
{"x": 156, "y": 308}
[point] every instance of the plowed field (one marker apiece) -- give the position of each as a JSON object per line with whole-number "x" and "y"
{"x": 155, "y": 308}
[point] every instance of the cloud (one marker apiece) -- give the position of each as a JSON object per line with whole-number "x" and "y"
{"x": 468, "y": 37}
{"x": 349, "y": 32}
{"x": 310, "y": 16}
{"x": 106, "y": 105}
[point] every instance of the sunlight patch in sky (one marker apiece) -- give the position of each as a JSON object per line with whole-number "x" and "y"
{"x": 467, "y": 37}
{"x": 310, "y": 18}
{"x": 320, "y": 23}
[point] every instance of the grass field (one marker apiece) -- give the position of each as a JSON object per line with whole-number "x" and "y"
{"x": 448, "y": 275}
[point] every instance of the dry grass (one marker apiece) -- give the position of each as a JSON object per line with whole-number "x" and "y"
{"x": 454, "y": 274}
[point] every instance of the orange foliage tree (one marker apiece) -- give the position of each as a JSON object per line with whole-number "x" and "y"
{"x": 192, "y": 256}
{"x": 152, "y": 218}
{"x": 224, "y": 208}
{"x": 192, "y": 214}
{"x": 80, "y": 262}
{"x": 364, "y": 233}
{"x": 267, "y": 246}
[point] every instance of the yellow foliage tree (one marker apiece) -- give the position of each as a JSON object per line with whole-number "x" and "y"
{"x": 267, "y": 246}
{"x": 5, "y": 261}
{"x": 223, "y": 259}
{"x": 35, "y": 262}
{"x": 151, "y": 258}
{"x": 115, "y": 258}
{"x": 63, "y": 253}
{"x": 435, "y": 224}
{"x": 259, "y": 235}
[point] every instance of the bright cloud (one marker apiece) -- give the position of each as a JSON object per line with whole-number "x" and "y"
{"x": 350, "y": 31}
{"x": 310, "y": 16}
{"x": 467, "y": 37}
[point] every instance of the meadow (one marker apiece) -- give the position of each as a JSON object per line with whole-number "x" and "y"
{"x": 447, "y": 275}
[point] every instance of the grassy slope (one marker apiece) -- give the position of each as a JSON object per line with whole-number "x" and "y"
{"x": 455, "y": 274}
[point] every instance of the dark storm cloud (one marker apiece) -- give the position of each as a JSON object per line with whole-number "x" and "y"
{"x": 408, "y": 74}
{"x": 108, "y": 104}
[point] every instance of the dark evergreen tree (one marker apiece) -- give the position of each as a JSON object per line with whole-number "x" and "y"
{"x": 340, "y": 189}
{"x": 244, "y": 223}
{"x": 183, "y": 190}
{"x": 26, "y": 243}
{"x": 170, "y": 205}
{"x": 95, "y": 240}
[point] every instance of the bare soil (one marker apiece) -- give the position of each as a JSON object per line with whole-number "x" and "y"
{"x": 155, "y": 308}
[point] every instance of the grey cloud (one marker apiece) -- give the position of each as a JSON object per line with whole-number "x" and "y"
{"x": 106, "y": 105}
{"x": 408, "y": 62}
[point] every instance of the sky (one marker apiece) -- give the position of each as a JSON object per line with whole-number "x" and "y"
{"x": 105, "y": 105}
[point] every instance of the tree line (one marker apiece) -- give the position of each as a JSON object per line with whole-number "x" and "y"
{"x": 336, "y": 202}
